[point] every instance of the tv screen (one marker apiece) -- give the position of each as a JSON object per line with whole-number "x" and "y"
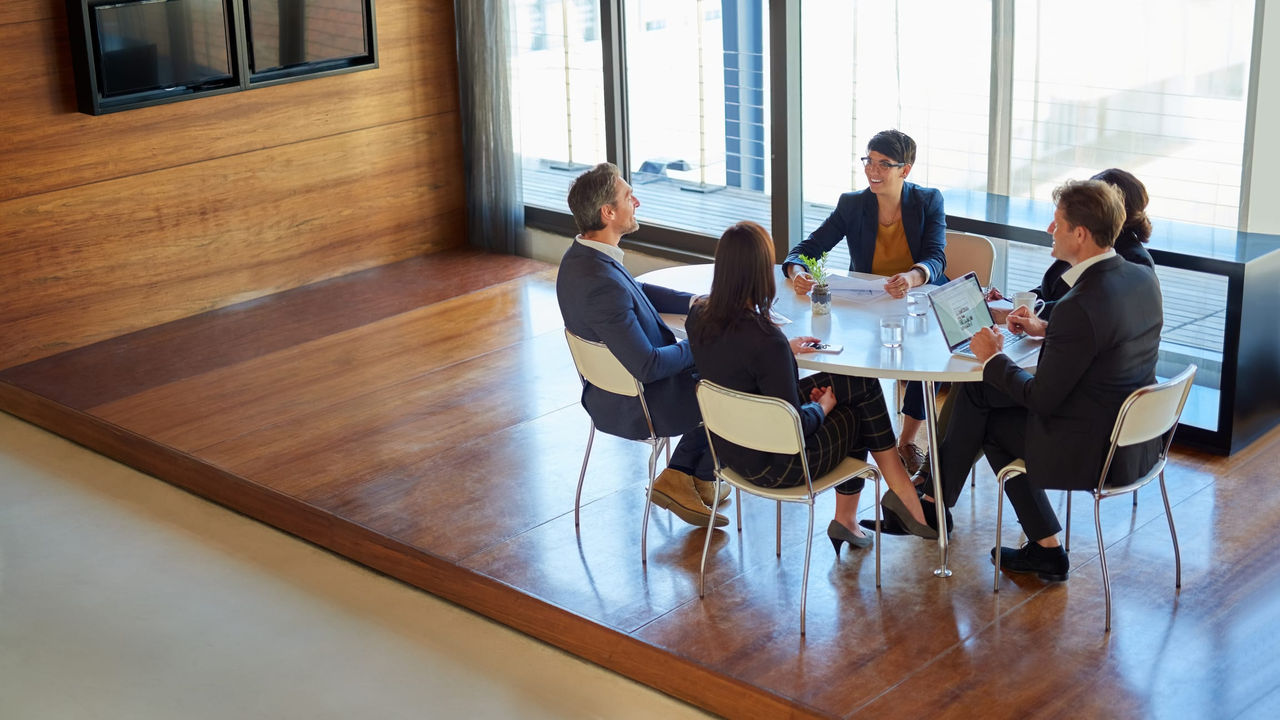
{"x": 160, "y": 45}
{"x": 307, "y": 35}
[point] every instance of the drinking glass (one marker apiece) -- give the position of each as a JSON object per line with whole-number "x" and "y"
{"x": 891, "y": 330}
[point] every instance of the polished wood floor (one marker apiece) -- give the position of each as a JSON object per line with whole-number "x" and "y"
{"x": 422, "y": 419}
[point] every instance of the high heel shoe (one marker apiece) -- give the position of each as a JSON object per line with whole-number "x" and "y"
{"x": 893, "y": 504}
{"x": 838, "y": 533}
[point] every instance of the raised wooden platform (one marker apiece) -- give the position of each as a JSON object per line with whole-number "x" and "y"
{"x": 422, "y": 418}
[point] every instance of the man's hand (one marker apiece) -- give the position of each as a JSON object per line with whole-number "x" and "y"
{"x": 1022, "y": 320}
{"x": 801, "y": 282}
{"x": 999, "y": 314}
{"x": 985, "y": 343}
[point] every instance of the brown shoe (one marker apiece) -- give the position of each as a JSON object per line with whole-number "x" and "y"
{"x": 707, "y": 491}
{"x": 674, "y": 491}
{"x": 912, "y": 458}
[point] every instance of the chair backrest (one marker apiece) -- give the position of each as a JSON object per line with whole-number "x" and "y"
{"x": 598, "y": 366}
{"x": 966, "y": 252}
{"x": 1152, "y": 411}
{"x": 754, "y": 421}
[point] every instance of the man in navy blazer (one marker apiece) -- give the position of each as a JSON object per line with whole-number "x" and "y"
{"x": 1101, "y": 344}
{"x": 600, "y": 301}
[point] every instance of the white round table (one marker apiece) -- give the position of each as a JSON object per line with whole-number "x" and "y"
{"x": 855, "y": 324}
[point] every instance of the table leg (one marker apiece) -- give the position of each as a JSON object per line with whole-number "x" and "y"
{"x": 931, "y": 425}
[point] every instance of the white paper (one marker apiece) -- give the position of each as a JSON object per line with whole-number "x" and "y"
{"x": 855, "y": 287}
{"x": 778, "y": 318}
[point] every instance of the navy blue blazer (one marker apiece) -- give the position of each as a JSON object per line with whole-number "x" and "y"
{"x": 600, "y": 301}
{"x": 1101, "y": 345}
{"x": 857, "y": 220}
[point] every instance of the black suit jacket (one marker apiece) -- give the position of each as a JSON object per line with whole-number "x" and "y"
{"x": 857, "y": 218}
{"x": 600, "y": 301}
{"x": 1051, "y": 288}
{"x": 1101, "y": 345}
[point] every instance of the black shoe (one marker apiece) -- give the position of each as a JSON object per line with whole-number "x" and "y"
{"x": 931, "y": 515}
{"x": 889, "y": 525}
{"x": 1050, "y": 564}
{"x": 923, "y": 478}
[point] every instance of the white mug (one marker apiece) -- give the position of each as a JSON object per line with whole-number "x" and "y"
{"x": 1029, "y": 300}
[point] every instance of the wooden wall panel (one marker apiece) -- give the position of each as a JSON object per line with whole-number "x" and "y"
{"x": 119, "y": 222}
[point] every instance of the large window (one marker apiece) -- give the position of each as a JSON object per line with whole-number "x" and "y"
{"x": 558, "y": 94}
{"x": 1155, "y": 87}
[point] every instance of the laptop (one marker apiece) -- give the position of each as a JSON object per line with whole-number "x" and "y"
{"x": 961, "y": 309}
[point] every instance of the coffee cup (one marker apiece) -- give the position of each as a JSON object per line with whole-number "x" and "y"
{"x": 1029, "y": 300}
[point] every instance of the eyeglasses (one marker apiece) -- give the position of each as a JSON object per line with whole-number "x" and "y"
{"x": 884, "y": 164}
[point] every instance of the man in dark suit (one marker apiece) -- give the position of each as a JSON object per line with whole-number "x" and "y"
{"x": 1100, "y": 345}
{"x": 600, "y": 301}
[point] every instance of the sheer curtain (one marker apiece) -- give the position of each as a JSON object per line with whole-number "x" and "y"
{"x": 495, "y": 208}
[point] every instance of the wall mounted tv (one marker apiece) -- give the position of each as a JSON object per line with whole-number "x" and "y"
{"x": 135, "y": 53}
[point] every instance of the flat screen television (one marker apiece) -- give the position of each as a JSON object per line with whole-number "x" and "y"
{"x": 134, "y": 53}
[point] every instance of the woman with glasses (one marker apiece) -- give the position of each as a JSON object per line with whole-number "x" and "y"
{"x": 893, "y": 228}
{"x": 736, "y": 344}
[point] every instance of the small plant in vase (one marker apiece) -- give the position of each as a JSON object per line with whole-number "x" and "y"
{"x": 820, "y": 297}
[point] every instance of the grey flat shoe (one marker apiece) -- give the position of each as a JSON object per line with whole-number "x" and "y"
{"x": 838, "y": 533}
{"x": 893, "y": 504}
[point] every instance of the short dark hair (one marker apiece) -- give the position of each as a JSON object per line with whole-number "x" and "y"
{"x": 895, "y": 144}
{"x": 1135, "y": 200}
{"x": 742, "y": 283}
{"x": 1094, "y": 205}
{"x": 590, "y": 192}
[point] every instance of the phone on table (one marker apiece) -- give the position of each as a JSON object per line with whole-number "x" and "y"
{"x": 824, "y": 347}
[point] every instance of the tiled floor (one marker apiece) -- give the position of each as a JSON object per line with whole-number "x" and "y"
{"x": 124, "y": 597}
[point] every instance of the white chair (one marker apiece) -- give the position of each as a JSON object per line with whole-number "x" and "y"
{"x": 967, "y": 252}
{"x": 1147, "y": 413}
{"x": 770, "y": 425}
{"x": 598, "y": 366}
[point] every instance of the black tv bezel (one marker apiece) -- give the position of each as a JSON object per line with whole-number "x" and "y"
{"x": 84, "y": 56}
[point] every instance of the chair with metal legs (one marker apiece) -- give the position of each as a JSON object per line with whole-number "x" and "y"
{"x": 598, "y": 366}
{"x": 770, "y": 425}
{"x": 1149, "y": 412}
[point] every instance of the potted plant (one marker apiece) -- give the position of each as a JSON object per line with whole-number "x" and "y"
{"x": 820, "y": 297}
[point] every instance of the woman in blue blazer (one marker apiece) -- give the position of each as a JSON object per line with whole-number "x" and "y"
{"x": 893, "y": 228}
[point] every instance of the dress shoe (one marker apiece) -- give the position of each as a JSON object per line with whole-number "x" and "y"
{"x": 674, "y": 491}
{"x": 912, "y": 457}
{"x": 892, "y": 505}
{"x": 707, "y": 491}
{"x": 931, "y": 515}
{"x": 922, "y": 478}
{"x": 1051, "y": 564}
{"x": 838, "y": 533}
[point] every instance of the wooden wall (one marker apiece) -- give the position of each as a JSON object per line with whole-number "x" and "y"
{"x": 118, "y": 222}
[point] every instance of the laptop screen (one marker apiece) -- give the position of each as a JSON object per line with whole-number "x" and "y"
{"x": 961, "y": 309}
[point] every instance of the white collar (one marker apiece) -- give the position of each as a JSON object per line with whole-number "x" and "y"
{"x": 1075, "y": 271}
{"x": 612, "y": 251}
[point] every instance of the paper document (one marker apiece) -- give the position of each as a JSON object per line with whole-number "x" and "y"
{"x": 778, "y": 318}
{"x": 845, "y": 286}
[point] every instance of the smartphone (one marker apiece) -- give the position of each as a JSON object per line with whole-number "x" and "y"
{"x": 824, "y": 347}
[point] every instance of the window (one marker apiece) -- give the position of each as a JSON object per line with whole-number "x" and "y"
{"x": 558, "y": 86}
{"x": 1158, "y": 89}
{"x": 698, "y": 99}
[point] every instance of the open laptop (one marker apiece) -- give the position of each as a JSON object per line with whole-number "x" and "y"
{"x": 961, "y": 309}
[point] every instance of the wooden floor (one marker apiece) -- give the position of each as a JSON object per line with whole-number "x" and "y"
{"x": 422, "y": 419}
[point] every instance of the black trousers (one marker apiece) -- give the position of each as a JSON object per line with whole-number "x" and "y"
{"x": 984, "y": 419}
{"x": 859, "y": 422}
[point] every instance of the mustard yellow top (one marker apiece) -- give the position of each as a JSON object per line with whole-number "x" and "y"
{"x": 892, "y": 255}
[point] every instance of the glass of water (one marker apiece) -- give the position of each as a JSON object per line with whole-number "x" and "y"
{"x": 891, "y": 330}
{"x": 917, "y": 302}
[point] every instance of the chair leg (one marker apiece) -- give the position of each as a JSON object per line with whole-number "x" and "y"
{"x": 648, "y": 502}
{"x": 577, "y": 498}
{"x": 1168, "y": 513}
{"x": 706, "y": 543}
{"x": 777, "y": 550}
{"x": 737, "y": 497}
{"x": 1102, "y": 558}
{"x": 876, "y": 477}
{"x": 804, "y": 581}
{"x": 995, "y": 584}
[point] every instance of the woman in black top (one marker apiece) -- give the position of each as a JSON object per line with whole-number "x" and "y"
{"x": 1135, "y": 232}
{"x": 735, "y": 344}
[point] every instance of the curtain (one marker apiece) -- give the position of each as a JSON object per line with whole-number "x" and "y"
{"x": 495, "y": 207}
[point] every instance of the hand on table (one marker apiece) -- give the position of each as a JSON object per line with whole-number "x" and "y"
{"x": 800, "y": 345}
{"x": 802, "y": 282}
{"x": 985, "y": 343}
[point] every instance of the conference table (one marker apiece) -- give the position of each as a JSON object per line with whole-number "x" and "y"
{"x": 855, "y": 324}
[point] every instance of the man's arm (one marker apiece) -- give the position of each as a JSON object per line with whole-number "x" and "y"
{"x": 611, "y": 316}
{"x": 1069, "y": 349}
{"x": 666, "y": 300}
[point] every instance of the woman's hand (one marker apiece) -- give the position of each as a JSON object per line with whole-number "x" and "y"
{"x": 800, "y": 345}
{"x": 824, "y": 396}
{"x": 802, "y": 282}
{"x": 898, "y": 285}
